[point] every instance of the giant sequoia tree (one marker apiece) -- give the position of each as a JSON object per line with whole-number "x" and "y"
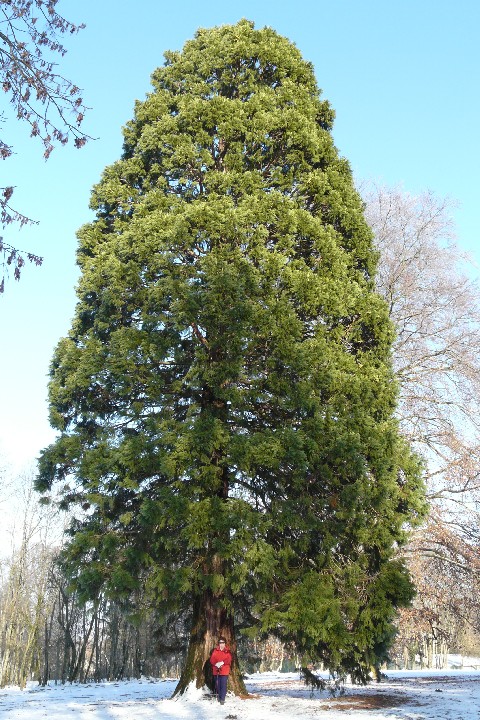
{"x": 225, "y": 397}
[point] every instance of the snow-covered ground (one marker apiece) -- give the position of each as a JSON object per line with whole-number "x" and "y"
{"x": 415, "y": 695}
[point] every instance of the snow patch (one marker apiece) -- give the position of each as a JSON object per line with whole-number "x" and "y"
{"x": 403, "y": 695}
{"x": 193, "y": 694}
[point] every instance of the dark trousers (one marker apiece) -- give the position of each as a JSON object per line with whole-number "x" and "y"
{"x": 221, "y": 681}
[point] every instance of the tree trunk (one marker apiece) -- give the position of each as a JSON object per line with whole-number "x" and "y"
{"x": 210, "y": 620}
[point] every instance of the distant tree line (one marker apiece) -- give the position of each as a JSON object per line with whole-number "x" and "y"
{"x": 47, "y": 633}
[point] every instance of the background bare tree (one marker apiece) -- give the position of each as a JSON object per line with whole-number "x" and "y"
{"x": 30, "y": 33}
{"x": 47, "y": 631}
{"x": 24, "y": 593}
{"x": 434, "y": 301}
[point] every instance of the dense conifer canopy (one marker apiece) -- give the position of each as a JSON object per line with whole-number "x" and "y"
{"x": 225, "y": 398}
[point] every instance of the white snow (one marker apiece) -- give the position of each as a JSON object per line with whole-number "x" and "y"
{"x": 404, "y": 695}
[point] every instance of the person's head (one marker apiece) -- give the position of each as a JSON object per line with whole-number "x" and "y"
{"x": 221, "y": 642}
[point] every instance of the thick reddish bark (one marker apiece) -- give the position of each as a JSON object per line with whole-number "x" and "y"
{"x": 210, "y": 620}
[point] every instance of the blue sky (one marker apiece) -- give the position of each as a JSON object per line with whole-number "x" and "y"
{"x": 402, "y": 75}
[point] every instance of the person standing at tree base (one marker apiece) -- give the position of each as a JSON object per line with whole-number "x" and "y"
{"x": 221, "y": 659}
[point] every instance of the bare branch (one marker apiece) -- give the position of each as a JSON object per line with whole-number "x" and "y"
{"x": 53, "y": 106}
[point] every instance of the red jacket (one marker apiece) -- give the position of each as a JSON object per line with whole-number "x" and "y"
{"x": 221, "y": 656}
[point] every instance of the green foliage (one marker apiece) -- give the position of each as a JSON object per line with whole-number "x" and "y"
{"x": 225, "y": 397}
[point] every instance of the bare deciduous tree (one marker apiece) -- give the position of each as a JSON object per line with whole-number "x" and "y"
{"x": 435, "y": 305}
{"x": 30, "y": 39}
{"x": 434, "y": 301}
{"x": 24, "y": 596}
